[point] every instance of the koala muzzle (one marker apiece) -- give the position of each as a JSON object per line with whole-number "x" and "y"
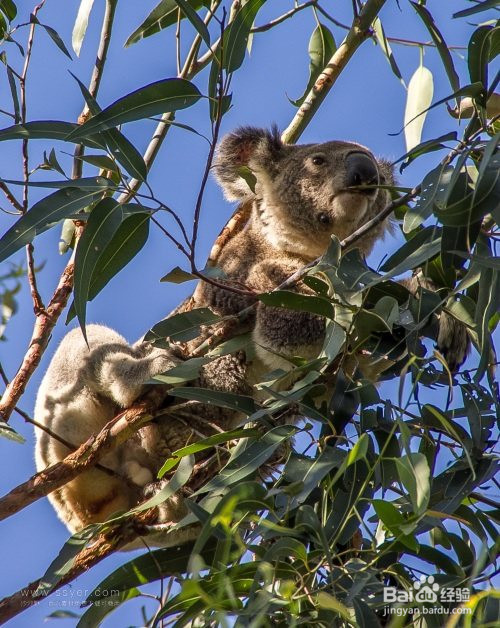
{"x": 361, "y": 170}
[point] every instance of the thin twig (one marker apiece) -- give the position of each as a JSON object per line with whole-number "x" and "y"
{"x": 285, "y": 16}
{"x": 38, "y": 306}
{"x": 11, "y": 198}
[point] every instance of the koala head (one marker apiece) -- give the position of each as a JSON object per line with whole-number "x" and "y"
{"x": 304, "y": 193}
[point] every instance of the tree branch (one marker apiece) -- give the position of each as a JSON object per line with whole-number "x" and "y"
{"x": 47, "y": 317}
{"x": 113, "y": 539}
{"x": 359, "y": 32}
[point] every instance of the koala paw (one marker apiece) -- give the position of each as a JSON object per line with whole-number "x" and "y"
{"x": 452, "y": 341}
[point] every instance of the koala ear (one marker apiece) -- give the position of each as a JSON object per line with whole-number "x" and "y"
{"x": 247, "y": 146}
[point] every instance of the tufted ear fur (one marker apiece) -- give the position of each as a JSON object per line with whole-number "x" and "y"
{"x": 245, "y": 147}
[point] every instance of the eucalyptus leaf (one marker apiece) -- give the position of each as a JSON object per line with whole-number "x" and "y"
{"x": 153, "y": 99}
{"x": 43, "y": 215}
{"x": 102, "y": 224}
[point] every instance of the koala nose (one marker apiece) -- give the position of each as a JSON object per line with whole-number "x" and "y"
{"x": 361, "y": 170}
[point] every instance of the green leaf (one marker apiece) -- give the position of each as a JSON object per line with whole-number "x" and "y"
{"x": 177, "y": 275}
{"x": 183, "y": 372}
{"x": 479, "y": 55}
{"x": 53, "y": 34}
{"x": 47, "y": 130}
{"x": 250, "y": 459}
{"x": 43, "y": 215}
{"x": 124, "y": 245}
{"x": 102, "y": 225}
{"x": 206, "y": 443}
{"x": 7, "y": 431}
{"x": 481, "y": 6}
{"x": 150, "y": 100}
{"x": 474, "y": 90}
{"x": 96, "y": 613}
{"x": 423, "y": 245}
{"x": 425, "y": 147}
{"x": 440, "y": 44}
{"x": 100, "y": 161}
{"x": 414, "y": 474}
{"x": 321, "y": 48}
{"x": 13, "y": 91}
{"x": 123, "y": 151}
{"x": 9, "y": 8}
{"x": 240, "y": 403}
{"x": 80, "y": 26}
{"x": 235, "y": 37}
{"x": 317, "y": 468}
{"x": 386, "y": 48}
{"x": 299, "y": 302}
{"x": 195, "y": 20}
{"x": 85, "y": 183}
{"x": 419, "y": 98}
{"x": 162, "y": 16}
{"x": 433, "y": 182}
{"x": 182, "y": 327}
{"x": 148, "y": 567}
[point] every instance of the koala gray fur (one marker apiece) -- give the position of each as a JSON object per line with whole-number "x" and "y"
{"x": 300, "y": 200}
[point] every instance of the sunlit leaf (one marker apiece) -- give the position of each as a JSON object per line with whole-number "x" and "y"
{"x": 80, "y": 26}
{"x": 419, "y": 98}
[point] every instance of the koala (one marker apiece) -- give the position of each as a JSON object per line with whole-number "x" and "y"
{"x": 302, "y": 195}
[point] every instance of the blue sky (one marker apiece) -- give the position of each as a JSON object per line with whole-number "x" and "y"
{"x": 366, "y": 105}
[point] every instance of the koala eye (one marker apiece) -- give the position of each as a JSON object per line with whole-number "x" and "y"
{"x": 324, "y": 218}
{"x": 318, "y": 160}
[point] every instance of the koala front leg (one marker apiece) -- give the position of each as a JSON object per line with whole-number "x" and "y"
{"x": 117, "y": 370}
{"x": 452, "y": 338}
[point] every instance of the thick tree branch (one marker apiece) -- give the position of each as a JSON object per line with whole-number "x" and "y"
{"x": 105, "y": 544}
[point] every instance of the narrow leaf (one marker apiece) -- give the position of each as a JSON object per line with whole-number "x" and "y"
{"x": 150, "y": 100}
{"x": 250, "y": 459}
{"x": 419, "y": 98}
{"x": 235, "y": 37}
{"x": 53, "y": 34}
{"x": 482, "y": 6}
{"x": 162, "y": 16}
{"x": 102, "y": 224}
{"x": 123, "y": 151}
{"x": 321, "y": 48}
{"x": 42, "y": 215}
{"x": 47, "y": 129}
{"x": 182, "y": 327}
{"x": 195, "y": 20}
{"x": 440, "y": 44}
{"x": 80, "y": 26}
{"x": 386, "y": 48}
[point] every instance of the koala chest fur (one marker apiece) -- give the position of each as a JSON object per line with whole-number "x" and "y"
{"x": 300, "y": 197}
